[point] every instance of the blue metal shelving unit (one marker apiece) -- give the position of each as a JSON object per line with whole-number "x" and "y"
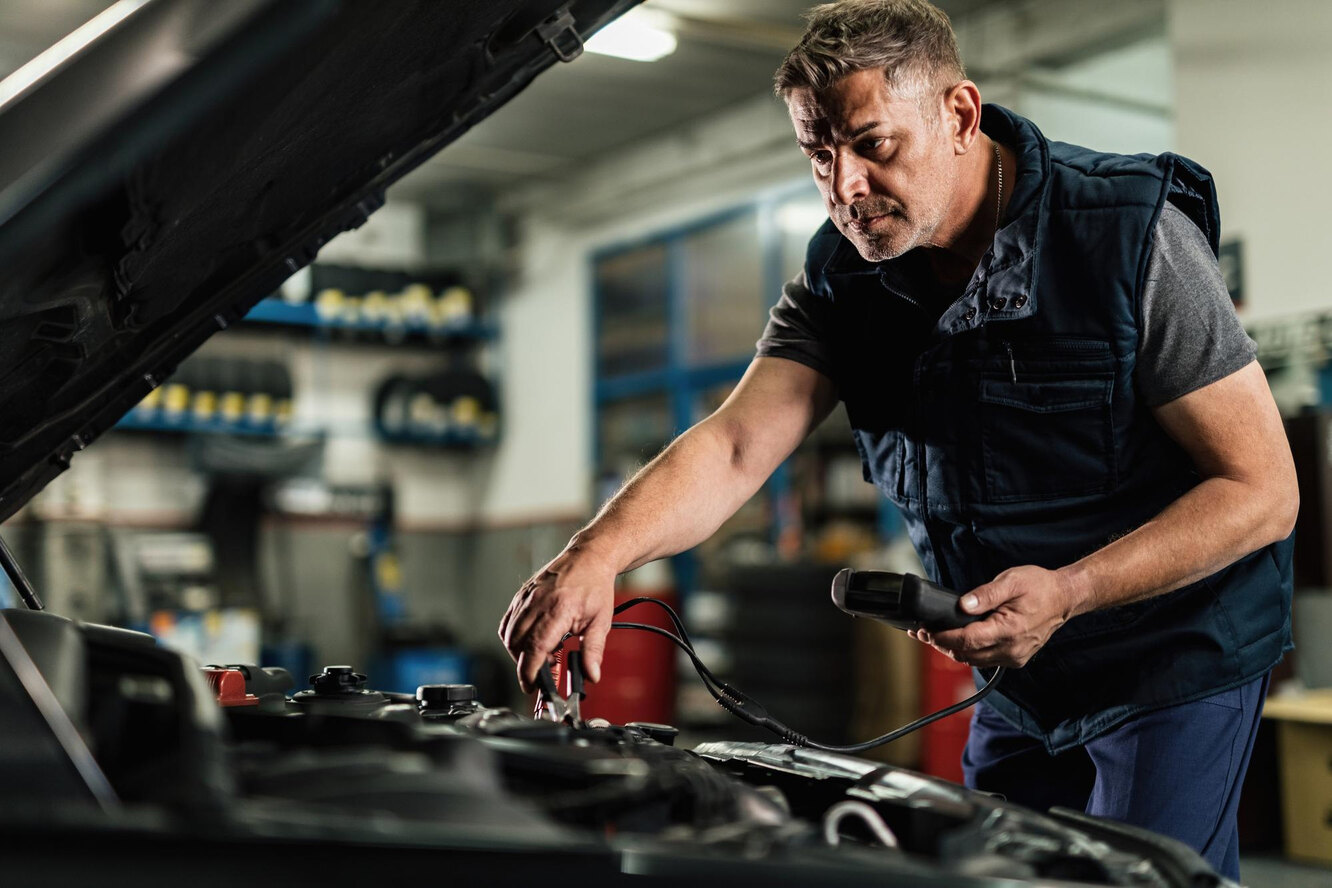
{"x": 135, "y": 420}
{"x": 274, "y": 310}
{"x": 305, "y": 314}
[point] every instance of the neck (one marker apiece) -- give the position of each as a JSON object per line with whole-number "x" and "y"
{"x": 959, "y": 244}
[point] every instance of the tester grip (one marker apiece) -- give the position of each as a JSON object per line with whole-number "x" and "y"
{"x": 902, "y": 600}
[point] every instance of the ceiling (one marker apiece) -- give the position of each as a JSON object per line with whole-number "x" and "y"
{"x": 576, "y": 113}
{"x": 572, "y": 114}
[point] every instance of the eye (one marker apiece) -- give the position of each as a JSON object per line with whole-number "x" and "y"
{"x": 821, "y": 158}
{"x": 871, "y": 146}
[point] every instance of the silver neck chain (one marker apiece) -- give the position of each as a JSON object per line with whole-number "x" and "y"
{"x": 999, "y": 204}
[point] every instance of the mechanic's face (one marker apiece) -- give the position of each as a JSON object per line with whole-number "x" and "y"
{"x": 885, "y": 171}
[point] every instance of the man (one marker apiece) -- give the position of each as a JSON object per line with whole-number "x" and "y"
{"x": 1043, "y": 371}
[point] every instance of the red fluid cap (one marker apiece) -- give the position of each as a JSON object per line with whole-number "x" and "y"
{"x": 229, "y": 686}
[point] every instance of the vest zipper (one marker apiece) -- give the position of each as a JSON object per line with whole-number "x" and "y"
{"x": 1012, "y": 364}
{"x": 1073, "y": 343}
{"x": 905, "y": 297}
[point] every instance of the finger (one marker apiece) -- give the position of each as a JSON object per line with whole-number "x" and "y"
{"x": 503, "y": 630}
{"x": 529, "y": 664}
{"x": 520, "y": 599}
{"x": 544, "y": 637}
{"x": 521, "y": 626}
{"x": 512, "y": 654}
{"x": 594, "y": 646}
{"x": 987, "y": 597}
{"x": 963, "y": 657}
{"x": 524, "y": 661}
{"x": 975, "y": 637}
{"x": 952, "y": 655}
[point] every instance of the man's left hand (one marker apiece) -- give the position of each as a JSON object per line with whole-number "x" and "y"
{"x": 1028, "y": 604}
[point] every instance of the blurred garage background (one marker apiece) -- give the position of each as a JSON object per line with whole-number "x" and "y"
{"x": 367, "y": 469}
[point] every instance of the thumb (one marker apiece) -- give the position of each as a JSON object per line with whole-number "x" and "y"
{"x": 594, "y": 646}
{"x": 984, "y": 598}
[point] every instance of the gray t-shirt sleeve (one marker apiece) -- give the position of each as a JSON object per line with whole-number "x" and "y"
{"x": 798, "y": 328}
{"x": 1190, "y": 334}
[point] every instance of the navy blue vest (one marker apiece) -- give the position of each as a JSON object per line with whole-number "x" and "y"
{"x": 1008, "y": 430}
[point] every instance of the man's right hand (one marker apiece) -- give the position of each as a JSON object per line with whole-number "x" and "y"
{"x": 573, "y": 594}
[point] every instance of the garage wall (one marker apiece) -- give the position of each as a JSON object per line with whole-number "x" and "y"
{"x": 1120, "y": 100}
{"x": 1242, "y": 70}
{"x": 544, "y": 462}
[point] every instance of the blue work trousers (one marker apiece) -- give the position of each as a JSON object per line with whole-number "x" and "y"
{"x": 1176, "y": 771}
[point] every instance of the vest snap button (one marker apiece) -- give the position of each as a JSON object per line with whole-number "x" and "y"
{"x": 998, "y": 303}
{"x": 1019, "y": 300}
{"x": 969, "y": 313}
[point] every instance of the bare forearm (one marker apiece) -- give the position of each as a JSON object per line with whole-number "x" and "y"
{"x": 1249, "y": 497}
{"x": 676, "y": 501}
{"x": 1213, "y": 525}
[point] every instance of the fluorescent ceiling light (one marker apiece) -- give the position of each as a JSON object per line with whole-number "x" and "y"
{"x": 630, "y": 37}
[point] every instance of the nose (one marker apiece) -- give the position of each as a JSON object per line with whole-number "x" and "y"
{"x": 848, "y": 180}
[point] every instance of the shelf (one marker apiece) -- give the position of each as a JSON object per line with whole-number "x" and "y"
{"x": 304, "y": 314}
{"x": 134, "y": 422}
{"x": 451, "y": 440}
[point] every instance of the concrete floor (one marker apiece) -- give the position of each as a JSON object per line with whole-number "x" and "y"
{"x": 1276, "y": 872}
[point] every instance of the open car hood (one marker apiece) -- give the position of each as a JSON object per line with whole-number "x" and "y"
{"x": 182, "y": 163}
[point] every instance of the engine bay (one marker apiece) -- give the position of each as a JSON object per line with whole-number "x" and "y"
{"x": 121, "y": 742}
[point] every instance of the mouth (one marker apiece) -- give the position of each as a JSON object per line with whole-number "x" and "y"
{"x": 870, "y": 223}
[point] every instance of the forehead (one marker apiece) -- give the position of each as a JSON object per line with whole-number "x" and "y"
{"x": 850, "y": 103}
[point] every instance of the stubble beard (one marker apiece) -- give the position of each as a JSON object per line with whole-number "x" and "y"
{"x": 889, "y": 242}
{"x": 903, "y": 233}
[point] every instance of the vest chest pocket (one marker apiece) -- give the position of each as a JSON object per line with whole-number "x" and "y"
{"x": 1047, "y": 435}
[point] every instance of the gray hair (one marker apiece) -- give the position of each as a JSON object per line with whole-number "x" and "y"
{"x": 911, "y": 41}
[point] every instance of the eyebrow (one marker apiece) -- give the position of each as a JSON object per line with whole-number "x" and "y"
{"x": 851, "y": 137}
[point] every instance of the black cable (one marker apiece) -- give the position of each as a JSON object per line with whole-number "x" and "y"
{"x": 683, "y": 639}
{"x": 733, "y": 700}
{"x": 699, "y": 666}
{"x": 688, "y": 645}
{"x": 670, "y": 612}
{"x": 750, "y": 710}
{"x": 918, "y": 723}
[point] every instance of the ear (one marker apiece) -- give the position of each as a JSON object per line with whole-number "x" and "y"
{"x": 962, "y": 114}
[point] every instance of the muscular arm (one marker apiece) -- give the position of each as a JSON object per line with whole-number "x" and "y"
{"x": 1247, "y": 499}
{"x": 675, "y": 502}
